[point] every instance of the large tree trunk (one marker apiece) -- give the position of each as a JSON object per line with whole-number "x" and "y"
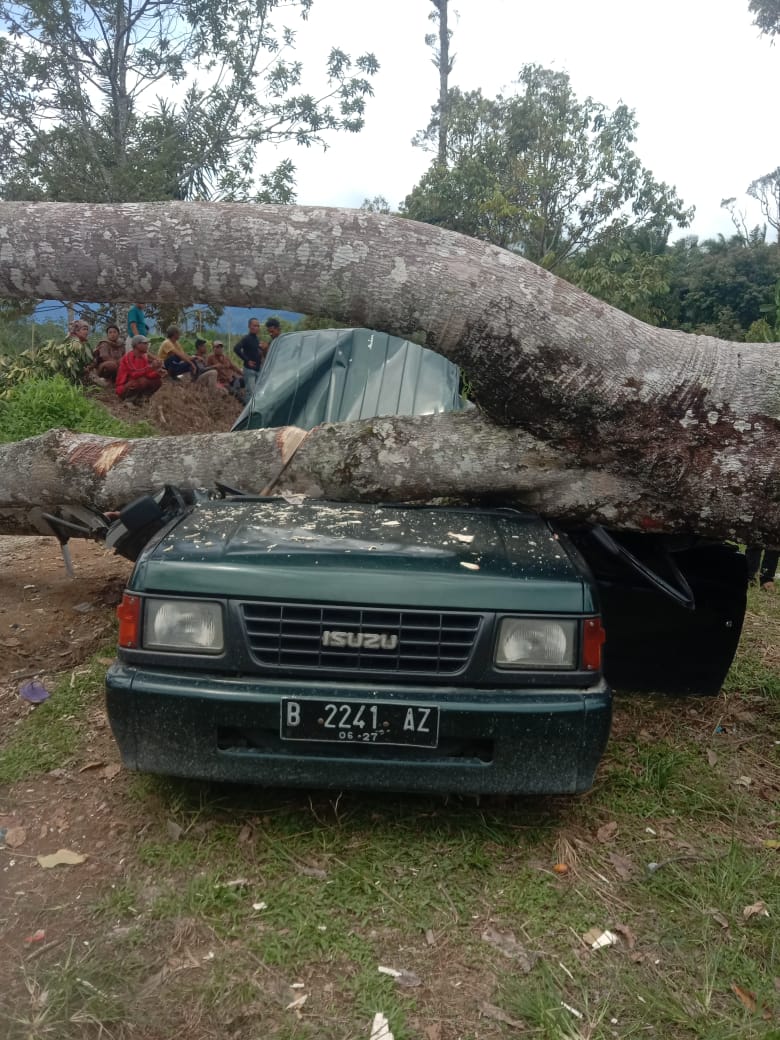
{"x": 373, "y": 460}
{"x": 693, "y": 420}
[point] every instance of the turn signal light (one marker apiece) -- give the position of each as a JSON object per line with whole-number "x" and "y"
{"x": 594, "y": 637}
{"x": 129, "y": 614}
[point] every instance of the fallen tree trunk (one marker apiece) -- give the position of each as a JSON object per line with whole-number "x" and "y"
{"x": 373, "y": 460}
{"x": 693, "y": 420}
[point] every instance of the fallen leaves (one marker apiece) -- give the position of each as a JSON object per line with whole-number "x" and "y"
{"x": 510, "y": 947}
{"x": 607, "y": 832}
{"x": 497, "y": 1015}
{"x": 61, "y": 858}
{"x": 755, "y": 910}
{"x": 15, "y": 837}
{"x": 749, "y": 1001}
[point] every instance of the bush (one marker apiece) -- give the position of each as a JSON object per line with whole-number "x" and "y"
{"x": 68, "y": 359}
{"x": 39, "y": 405}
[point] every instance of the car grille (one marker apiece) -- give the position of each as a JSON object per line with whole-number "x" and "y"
{"x": 412, "y": 641}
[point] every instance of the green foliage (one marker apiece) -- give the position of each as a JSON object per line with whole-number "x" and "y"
{"x": 38, "y": 405}
{"x": 541, "y": 172}
{"x": 68, "y": 359}
{"x": 631, "y": 273}
{"x": 76, "y": 76}
{"x": 18, "y": 334}
{"x": 721, "y": 287}
{"x": 767, "y": 16}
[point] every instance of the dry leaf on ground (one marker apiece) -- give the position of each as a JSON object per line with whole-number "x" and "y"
{"x": 510, "y": 947}
{"x": 491, "y": 1011}
{"x": 607, "y": 832}
{"x": 755, "y": 910}
{"x": 62, "y": 857}
{"x": 624, "y": 867}
{"x": 15, "y": 836}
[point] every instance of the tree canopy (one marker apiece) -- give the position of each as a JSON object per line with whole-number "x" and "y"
{"x": 767, "y": 15}
{"x": 130, "y": 100}
{"x": 540, "y": 172}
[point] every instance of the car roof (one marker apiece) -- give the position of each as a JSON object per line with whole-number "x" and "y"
{"x": 340, "y": 375}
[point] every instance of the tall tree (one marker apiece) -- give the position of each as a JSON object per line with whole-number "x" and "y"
{"x": 541, "y": 172}
{"x": 767, "y": 15}
{"x": 440, "y": 45}
{"x": 766, "y": 191}
{"x": 87, "y": 89}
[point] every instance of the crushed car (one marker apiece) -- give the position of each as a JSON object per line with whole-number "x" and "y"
{"x": 392, "y": 646}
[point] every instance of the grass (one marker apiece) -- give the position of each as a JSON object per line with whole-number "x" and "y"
{"x": 232, "y": 903}
{"x": 52, "y": 734}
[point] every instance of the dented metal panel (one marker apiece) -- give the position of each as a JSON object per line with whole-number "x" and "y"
{"x": 340, "y": 375}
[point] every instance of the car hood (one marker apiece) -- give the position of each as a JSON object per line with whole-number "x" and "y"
{"x": 362, "y": 553}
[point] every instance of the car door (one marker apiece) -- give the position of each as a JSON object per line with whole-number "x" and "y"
{"x": 672, "y": 609}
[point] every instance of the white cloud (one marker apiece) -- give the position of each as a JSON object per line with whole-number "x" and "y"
{"x": 702, "y": 82}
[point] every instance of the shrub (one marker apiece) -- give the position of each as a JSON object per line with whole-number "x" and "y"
{"x": 68, "y": 359}
{"x": 38, "y": 405}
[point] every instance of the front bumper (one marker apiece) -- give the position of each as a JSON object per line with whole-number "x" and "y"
{"x": 490, "y": 741}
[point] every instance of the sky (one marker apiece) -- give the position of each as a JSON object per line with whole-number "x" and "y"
{"x": 698, "y": 75}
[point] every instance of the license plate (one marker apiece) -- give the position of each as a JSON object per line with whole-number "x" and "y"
{"x": 359, "y": 722}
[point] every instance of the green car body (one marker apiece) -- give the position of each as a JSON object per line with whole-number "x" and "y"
{"x": 287, "y": 580}
{"x": 428, "y": 649}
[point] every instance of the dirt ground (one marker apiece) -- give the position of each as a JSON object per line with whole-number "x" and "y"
{"x": 178, "y": 407}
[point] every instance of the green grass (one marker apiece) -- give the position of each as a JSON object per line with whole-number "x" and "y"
{"x": 414, "y": 883}
{"x": 38, "y": 405}
{"x": 52, "y": 734}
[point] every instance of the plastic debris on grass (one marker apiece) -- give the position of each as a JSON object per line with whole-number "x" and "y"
{"x": 597, "y": 938}
{"x": 380, "y": 1028}
{"x": 404, "y": 978}
{"x": 34, "y": 692}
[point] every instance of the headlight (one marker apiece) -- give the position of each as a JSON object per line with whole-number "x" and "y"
{"x": 536, "y": 643}
{"x": 175, "y": 624}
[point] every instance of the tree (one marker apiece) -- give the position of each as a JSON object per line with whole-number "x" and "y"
{"x": 86, "y": 89}
{"x": 655, "y": 429}
{"x": 721, "y": 286}
{"x": 541, "y": 173}
{"x": 767, "y": 16}
{"x": 440, "y": 45}
{"x": 766, "y": 191}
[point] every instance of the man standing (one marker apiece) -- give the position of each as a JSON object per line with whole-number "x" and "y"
{"x": 251, "y": 353}
{"x": 138, "y": 375}
{"x": 136, "y": 322}
{"x": 274, "y": 329}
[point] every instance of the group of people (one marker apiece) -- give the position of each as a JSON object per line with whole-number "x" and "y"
{"x": 136, "y": 373}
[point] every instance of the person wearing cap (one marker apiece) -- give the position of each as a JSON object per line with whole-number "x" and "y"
{"x": 78, "y": 330}
{"x": 139, "y": 374}
{"x": 228, "y": 374}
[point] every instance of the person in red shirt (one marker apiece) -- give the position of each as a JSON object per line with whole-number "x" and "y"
{"x": 139, "y": 375}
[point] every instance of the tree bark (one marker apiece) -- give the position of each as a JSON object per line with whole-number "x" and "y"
{"x": 393, "y": 459}
{"x": 694, "y": 420}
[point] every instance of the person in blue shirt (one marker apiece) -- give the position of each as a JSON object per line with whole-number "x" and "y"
{"x": 136, "y": 322}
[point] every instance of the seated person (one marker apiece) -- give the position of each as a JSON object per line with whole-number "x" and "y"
{"x": 205, "y": 374}
{"x": 228, "y": 374}
{"x": 108, "y": 353}
{"x": 139, "y": 374}
{"x": 175, "y": 358}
